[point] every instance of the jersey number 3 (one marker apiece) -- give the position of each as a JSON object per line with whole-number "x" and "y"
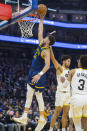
{"x": 82, "y": 83}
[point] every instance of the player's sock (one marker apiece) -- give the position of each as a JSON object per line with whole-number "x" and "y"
{"x": 51, "y": 129}
{"x": 63, "y": 129}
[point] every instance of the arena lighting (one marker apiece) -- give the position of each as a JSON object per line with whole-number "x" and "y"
{"x": 50, "y": 9}
{"x": 60, "y": 24}
{"x": 35, "y": 41}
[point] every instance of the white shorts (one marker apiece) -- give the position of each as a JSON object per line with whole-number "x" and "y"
{"x": 78, "y": 106}
{"x": 62, "y": 99}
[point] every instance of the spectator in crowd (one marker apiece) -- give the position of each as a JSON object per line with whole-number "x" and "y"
{"x": 2, "y": 121}
{"x": 8, "y": 120}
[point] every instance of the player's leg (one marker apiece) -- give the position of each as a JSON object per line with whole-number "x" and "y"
{"x": 76, "y": 105}
{"x": 77, "y": 123}
{"x": 56, "y": 113}
{"x": 65, "y": 116}
{"x": 66, "y": 107}
{"x": 70, "y": 120}
{"x": 84, "y": 119}
{"x": 58, "y": 108}
{"x": 59, "y": 125}
{"x": 77, "y": 114}
{"x": 42, "y": 120}
{"x": 70, "y": 124}
{"x": 29, "y": 97}
{"x": 84, "y": 123}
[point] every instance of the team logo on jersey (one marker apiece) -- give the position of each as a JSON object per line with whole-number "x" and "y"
{"x": 37, "y": 53}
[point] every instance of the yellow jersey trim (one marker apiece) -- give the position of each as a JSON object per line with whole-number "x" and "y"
{"x": 84, "y": 115}
{"x": 31, "y": 84}
{"x": 59, "y": 116}
{"x": 78, "y": 116}
{"x": 44, "y": 48}
{"x": 83, "y": 69}
{"x": 66, "y": 105}
{"x": 43, "y": 51}
{"x": 39, "y": 87}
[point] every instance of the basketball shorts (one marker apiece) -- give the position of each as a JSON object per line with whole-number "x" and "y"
{"x": 62, "y": 99}
{"x": 78, "y": 106}
{"x": 40, "y": 85}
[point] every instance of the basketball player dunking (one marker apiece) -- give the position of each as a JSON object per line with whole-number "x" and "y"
{"x": 62, "y": 94}
{"x": 37, "y": 76}
{"x": 78, "y": 104}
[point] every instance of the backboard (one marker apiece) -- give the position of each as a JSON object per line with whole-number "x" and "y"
{"x": 20, "y": 9}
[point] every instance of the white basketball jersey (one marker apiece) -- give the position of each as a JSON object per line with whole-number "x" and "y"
{"x": 60, "y": 84}
{"x": 79, "y": 81}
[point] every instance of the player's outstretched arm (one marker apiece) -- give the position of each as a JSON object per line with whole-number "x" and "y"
{"x": 55, "y": 62}
{"x": 40, "y": 31}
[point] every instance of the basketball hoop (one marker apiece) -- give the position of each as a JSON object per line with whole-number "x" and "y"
{"x": 26, "y": 26}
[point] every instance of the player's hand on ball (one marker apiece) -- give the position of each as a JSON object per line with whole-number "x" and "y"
{"x": 42, "y": 10}
{"x": 36, "y": 78}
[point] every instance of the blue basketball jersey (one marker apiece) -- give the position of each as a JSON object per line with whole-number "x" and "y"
{"x": 38, "y": 60}
{"x": 38, "y": 64}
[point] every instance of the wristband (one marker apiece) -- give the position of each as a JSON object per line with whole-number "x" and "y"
{"x": 41, "y": 73}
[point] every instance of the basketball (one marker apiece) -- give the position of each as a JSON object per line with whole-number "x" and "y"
{"x": 42, "y": 10}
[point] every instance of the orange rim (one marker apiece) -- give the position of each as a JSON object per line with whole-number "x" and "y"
{"x": 34, "y": 17}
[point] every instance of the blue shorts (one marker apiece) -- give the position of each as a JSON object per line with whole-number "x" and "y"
{"x": 40, "y": 85}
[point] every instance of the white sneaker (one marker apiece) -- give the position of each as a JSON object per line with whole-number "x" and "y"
{"x": 40, "y": 125}
{"x": 22, "y": 120}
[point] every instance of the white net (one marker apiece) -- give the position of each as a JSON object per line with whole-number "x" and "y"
{"x": 26, "y": 28}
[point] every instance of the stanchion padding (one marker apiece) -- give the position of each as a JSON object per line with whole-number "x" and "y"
{"x": 5, "y": 12}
